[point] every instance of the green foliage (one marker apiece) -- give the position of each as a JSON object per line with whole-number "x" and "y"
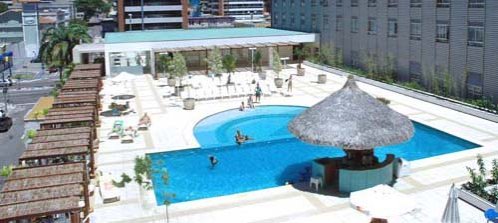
{"x": 327, "y": 56}
{"x": 448, "y": 84}
{"x": 477, "y": 183}
{"x": 301, "y": 54}
{"x": 31, "y": 133}
{"x": 124, "y": 180}
{"x": 215, "y": 61}
{"x": 162, "y": 63}
{"x": 370, "y": 65}
{"x": 178, "y": 66}
{"x": 277, "y": 64}
{"x": 494, "y": 172}
{"x": 229, "y": 63}
{"x": 3, "y": 7}
{"x": 78, "y": 21}
{"x": 258, "y": 59}
{"x": 6, "y": 171}
{"x": 413, "y": 85}
{"x": 92, "y": 7}
{"x": 143, "y": 171}
{"x": 57, "y": 45}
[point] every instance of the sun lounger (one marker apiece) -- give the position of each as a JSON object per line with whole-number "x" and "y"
{"x": 108, "y": 191}
{"x": 117, "y": 130}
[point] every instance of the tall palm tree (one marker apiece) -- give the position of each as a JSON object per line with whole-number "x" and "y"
{"x": 57, "y": 45}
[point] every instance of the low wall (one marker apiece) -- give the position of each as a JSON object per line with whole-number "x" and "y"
{"x": 421, "y": 95}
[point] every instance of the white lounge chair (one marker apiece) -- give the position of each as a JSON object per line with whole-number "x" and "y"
{"x": 108, "y": 191}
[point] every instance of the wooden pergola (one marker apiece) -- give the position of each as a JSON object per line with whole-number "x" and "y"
{"x": 36, "y": 192}
{"x": 65, "y": 102}
{"x": 90, "y": 68}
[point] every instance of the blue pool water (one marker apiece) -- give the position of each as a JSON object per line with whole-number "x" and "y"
{"x": 273, "y": 158}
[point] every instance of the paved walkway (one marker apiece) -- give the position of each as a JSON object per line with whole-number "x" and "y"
{"x": 172, "y": 129}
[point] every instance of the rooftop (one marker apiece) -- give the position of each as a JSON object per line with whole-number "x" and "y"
{"x": 194, "y": 34}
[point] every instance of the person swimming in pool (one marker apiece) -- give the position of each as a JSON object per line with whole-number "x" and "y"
{"x": 239, "y": 138}
{"x": 213, "y": 161}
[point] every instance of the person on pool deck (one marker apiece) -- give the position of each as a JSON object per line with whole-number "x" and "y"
{"x": 213, "y": 161}
{"x": 250, "y": 102}
{"x": 258, "y": 93}
{"x": 242, "y": 106}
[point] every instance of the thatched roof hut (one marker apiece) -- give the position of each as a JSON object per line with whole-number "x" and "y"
{"x": 353, "y": 120}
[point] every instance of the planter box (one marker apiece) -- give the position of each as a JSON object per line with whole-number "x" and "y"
{"x": 322, "y": 79}
{"x": 279, "y": 82}
{"x": 171, "y": 82}
{"x": 474, "y": 200}
{"x": 189, "y": 103}
{"x": 421, "y": 95}
{"x": 301, "y": 71}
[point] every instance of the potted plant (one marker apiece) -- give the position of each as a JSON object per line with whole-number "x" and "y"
{"x": 178, "y": 69}
{"x": 258, "y": 59}
{"x": 277, "y": 68}
{"x": 215, "y": 62}
{"x": 301, "y": 53}
{"x": 229, "y": 63}
{"x": 322, "y": 78}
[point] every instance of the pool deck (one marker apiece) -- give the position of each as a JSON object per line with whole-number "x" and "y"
{"x": 172, "y": 129}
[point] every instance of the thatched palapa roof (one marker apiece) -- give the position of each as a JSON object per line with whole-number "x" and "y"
{"x": 351, "y": 119}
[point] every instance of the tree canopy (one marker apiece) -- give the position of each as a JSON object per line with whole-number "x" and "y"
{"x": 57, "y": 45}
{"x": 92, "y": 7}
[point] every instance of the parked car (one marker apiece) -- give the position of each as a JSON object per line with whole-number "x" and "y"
{"x": 5, "y": 124}
{"x": 52, "y": 70}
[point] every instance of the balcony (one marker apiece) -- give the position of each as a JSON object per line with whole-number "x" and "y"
{"x": 153, "y": 8}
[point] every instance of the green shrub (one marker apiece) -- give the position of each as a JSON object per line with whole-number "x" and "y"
{"x": 124, "y": 180}
{"x": 31, "y": 134}
{"x": 6, "y": 171}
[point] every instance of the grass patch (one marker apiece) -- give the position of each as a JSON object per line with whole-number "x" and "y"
{"x": 23, "y": 76}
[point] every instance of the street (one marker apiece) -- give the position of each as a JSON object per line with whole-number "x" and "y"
{"x": 21, "y": 101}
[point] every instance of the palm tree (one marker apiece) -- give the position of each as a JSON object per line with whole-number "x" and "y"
{"x": 57, "y": 45}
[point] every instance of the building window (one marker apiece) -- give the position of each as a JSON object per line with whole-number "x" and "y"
{"x": 474, "y": 85}
{"x": 372, "y": 26}
{"x": 292, "y": 20}
{"x": 284, "y": 20}
{"x": 415, "y": 3}
{"x": 442, "y": 31}
{"x": 325, "y": 20}
{"x": 392, "y": 27}
{"x": 392, "y": 3}
{"x": 313, "y": 3}
{"x": 476, "y": 34}
{"x": 443, "y": 3}
{"x": 354, "y": 24}
{"x": 354, "y": 3}
{"x": 338, "y": 23}
{"x": 476, "y": 3}
{"x": 313, "y": 22}
{"x": 325, "y": 3}
{"x": 302, "y": 3}
{"x": 372, "y": 3}
{"x": 302, "y": 19}
{"x": 415, "y": 29}
{"x": 292, "y": 3}
{"x": 415, "y": 72}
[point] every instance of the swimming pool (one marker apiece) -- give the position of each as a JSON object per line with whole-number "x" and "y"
{"x": 271, "y": 159}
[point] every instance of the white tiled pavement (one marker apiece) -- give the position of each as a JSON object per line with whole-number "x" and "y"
{"x": 172, "y": 129}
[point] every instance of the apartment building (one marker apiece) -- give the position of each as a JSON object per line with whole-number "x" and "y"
{"x": 152, "y": 14}
{"x": 426, "y": 39}
{"x": 242, "y": 10}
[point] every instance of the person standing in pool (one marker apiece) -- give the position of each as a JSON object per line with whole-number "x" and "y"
{"x": 258, "y": 93}
{"x": 213, "y": 161}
